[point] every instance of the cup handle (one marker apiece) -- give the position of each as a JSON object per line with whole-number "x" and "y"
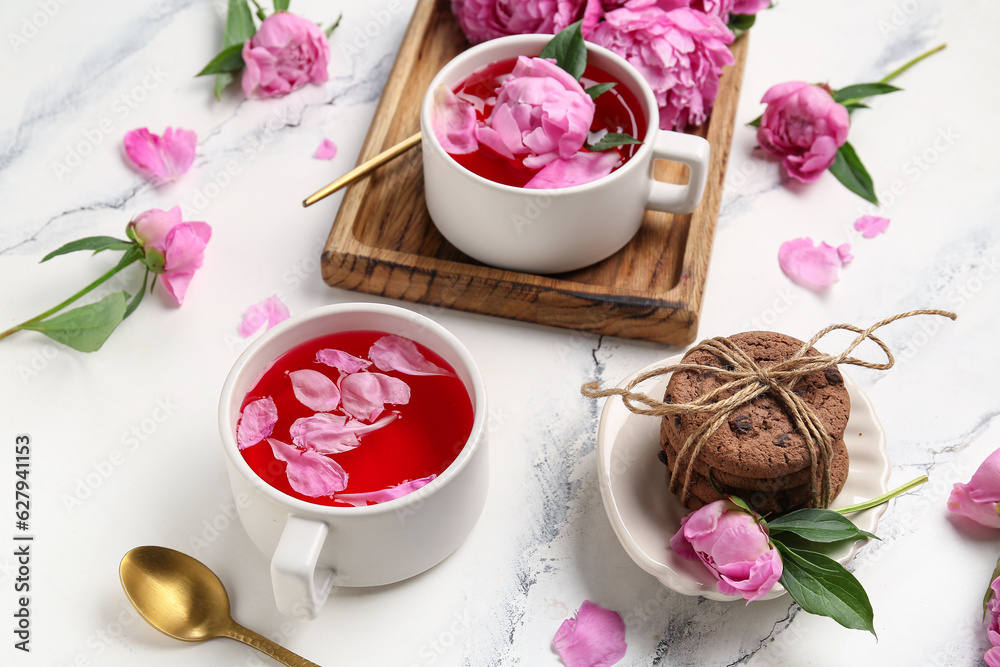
{"x": 298, "y": 584}
{"x": 695, "y": 152}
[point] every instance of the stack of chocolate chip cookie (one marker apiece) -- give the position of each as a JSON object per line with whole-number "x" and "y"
{"x": 758, "y": 456}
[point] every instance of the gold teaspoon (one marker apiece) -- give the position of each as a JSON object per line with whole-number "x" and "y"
{"x": 363, "y": 169}
{"x": 183, "y": 599}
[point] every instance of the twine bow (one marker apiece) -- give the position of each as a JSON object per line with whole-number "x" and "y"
{"x": 748, "y": 380}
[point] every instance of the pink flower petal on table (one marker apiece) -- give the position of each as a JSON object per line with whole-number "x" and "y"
{"x": 844, "y": 253}
{"x": 595, "y": 638}
{"x": 309, "y": 473}
{"x": 395, "y": 353}
{"x": 314, "y": 390}
{"x": 327, "y": 150}
{"x": 327, "y": 433}
{"x": 871, "y": 226}
{"x": 584, "y": 167}
{"x": 454, "y": 122}
{"x": 184, "y": 254}
{"x": 270, "y": 311}
{"x": 159, "y": 158}
{"x": 364, "y": 395}
{"x": 342, "y": 360}
{"x": 256, "y": 423}
{"x": 384, "y": 495}
{"x": 814, "y": 267}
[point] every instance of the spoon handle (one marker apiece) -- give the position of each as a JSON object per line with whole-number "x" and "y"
{"x": 265, "y": 645}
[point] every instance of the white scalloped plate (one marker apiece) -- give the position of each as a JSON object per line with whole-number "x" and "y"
{"x": 645, "y": 515}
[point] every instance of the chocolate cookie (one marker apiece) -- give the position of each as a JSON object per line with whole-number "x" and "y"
{"x": 759, "y": 441}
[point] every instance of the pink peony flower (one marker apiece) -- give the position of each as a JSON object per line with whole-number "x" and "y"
{"x": 680, "y": 53}
{"x": 158, "y": 158}
{"x": 978, "y": 500}
{"x": 541, "y": 112}
{"x": 595, "y": 638}
{"x": 750, "y": 6}
{"x": 733, "y": 546}
{"x": 286, "y": 53}
{"x": 814, "y": 267}
{"x": 488, "y": 19}
{"x": 803, "y": 126}
{"x": 181, "y": 245}
{"x": 992, "y": 656}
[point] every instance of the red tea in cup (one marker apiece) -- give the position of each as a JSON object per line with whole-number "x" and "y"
{"x": 354, "y": 418}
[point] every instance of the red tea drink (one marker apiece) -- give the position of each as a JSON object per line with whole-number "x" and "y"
{"x": 617, "y": 111}
{"x": 354, "y": 418}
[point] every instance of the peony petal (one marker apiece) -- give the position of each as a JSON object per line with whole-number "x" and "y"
{"x": 583, "y": 167}
{"x": 454, "y": 122}
{"x": 813, "y": 267}
{"x": 327, "y": 150}
{"x": 184, "y": 250}
{"x": 270, "y": 311}
{"x": 992, "y": 657}
{"x": 595, "y": 638}
{"x": 327, "y": 433}
{"x": 961, "y": 502}
{"x": 395, "y": 353}
{"x": 309, "y": 473}
{"x": 343, "y": 361}
{"x": 256, "y": 422}
{"x": 159, "y": 158}
{"x": 844, "y": 253}
{"x": 364, "y": 395}
{"x": 385, "y": 495}
{"x": 314, "y": 390}
{"x": 871, "y": 226}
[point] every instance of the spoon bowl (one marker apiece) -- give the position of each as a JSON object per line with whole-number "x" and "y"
{"x": 182, "y": 598}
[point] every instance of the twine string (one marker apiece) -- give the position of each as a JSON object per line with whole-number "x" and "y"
{"x": 745, "y": 381}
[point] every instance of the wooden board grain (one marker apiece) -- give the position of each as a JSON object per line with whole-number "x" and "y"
{"x": 384, "y": 242}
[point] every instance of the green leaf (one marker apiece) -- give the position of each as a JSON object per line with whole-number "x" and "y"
{"x": 222, "y": 79}
{"x": 239, "y": 23}
{"x": 137, "y": 299}
{"x": 852, "y": 106}
{"x": 281, "y": 5}
{"x": 848, "y": 169}
{"x": 87, "y": 327}
{"x": 755, "y": 122}
{"x": 95, "y": 243}
{"x": 860, "y": 91}
{"x": 568, "y": 50}
{"x": 822, "y": 586}
{"x": 612, "y": 140}
{"x": 229, "y": 59}
{"x": 333, "y": 26}
{"x": 599, "y": 89}
{"x": 817, "y": 525}
{"x": 741, "y": 22}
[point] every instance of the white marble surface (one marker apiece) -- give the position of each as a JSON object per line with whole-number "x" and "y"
{"x": 125, "y": 450}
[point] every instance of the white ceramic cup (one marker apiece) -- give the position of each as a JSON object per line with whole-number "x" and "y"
{"x": 562, "y": 229}
{"x": 314, "y": 547}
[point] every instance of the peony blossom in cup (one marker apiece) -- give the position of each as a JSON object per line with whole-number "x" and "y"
{"x": 804, "y": 127}
{"x": 680, "y": 53}
{"x": 733, "y": 545}
{"x": 979, "y": 499}
{"x": 488, "y": 19}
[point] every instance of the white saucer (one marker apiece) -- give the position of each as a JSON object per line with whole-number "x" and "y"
{"x": 645, "y": 515}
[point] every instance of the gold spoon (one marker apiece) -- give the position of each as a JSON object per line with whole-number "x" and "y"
{"x": 364, "y": 168}
{"x": 183, "y": 599}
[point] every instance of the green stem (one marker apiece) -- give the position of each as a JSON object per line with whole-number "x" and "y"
{"x": 260, "y": 10}
{"x": 911, "y": 63}
{"x": 86, "y": 290}
{"x": 885, "y": 497}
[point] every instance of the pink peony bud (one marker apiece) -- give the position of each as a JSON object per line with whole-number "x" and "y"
{"x": 488, "y": 19}
{"x": 182, "y": 245}
{"x": 733, "y": 546}
{"x": 804, "y": 127}
{"x": 978, "y": 500}
{"x": 541, "y": 112}
{"x": 286, "y": 53}
{"x": 992, "y": 656}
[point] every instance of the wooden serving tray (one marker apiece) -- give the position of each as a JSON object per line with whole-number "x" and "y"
{"x": 384, "y": 242}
